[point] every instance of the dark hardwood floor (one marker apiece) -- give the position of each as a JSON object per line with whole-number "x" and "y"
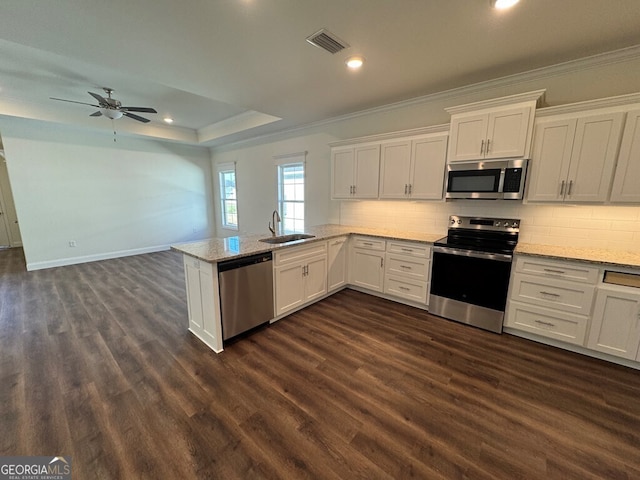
{"x": 96, "y": 362}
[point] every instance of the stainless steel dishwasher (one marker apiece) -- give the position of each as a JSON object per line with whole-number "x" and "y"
{"x": 246, "y": 293}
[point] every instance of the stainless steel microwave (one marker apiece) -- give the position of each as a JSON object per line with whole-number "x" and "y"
{"x": 487, "y": 179}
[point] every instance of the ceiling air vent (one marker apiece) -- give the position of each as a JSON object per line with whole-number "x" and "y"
{"x": 327, "y": 41}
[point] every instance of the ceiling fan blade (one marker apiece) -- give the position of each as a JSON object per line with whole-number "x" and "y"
{"x": 100, "y": 98}
{"x": 139, "y": 109}
{"x": 73, "y": 101}
{"x": 136, "y": 117}
{"x": 96, "y": 114}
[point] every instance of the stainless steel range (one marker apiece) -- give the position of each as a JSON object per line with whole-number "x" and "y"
{"x": 471, "y": 268}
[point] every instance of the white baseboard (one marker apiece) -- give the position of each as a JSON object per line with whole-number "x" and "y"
{"x": 94, "y": 258}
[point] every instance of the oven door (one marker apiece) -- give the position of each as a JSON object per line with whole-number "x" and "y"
{"x": 470, "y": 287}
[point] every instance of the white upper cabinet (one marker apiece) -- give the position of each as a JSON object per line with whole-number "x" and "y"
{"x": 355, "y": 171}
{"x": 626, "y": 183}
{"x": 489, "y": 135}
{"x": 574, "y": 157}
{"x": 413, "y": 168}
{"x": 492, "y": 129}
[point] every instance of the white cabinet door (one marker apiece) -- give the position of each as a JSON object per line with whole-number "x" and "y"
{"x": 315, "y": 278}
{"x": 428, "y": 162}
{"x": 593, "y": 158}
{"x": 468, "y": 136}
{"x": 615, "y": 328}
{"x": 367, "y": 269}
{"x": 203, "y": 303}
{"x": 343, "y": 167}
{"x": 626, "y": 183}
{"x": 337, "y": 263}
{"x": 507, "y": 133}
{"x": 289, "y": 287}
{"x": 367, "y": 171}
{"x": 395, "y": 166}
{"x": 552, "y": 146}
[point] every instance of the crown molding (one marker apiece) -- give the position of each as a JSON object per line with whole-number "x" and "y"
{"x": 537, "y": 97}
{"x": 618, "y": 101}
{"x": 381, "y": 137}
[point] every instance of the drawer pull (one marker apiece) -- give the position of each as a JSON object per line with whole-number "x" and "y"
{"x": 368, "y": 244}
{"x": 410, "y": 250}
{"x": 404, "y": 288}
{"x": 551, "y": 270}
{"x": 548, "y": 324}
{"x": 549, "y": 294}
{"x": 407, "y": 267}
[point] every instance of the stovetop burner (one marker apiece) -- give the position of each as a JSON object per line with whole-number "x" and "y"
{"x": 481, "y": 234}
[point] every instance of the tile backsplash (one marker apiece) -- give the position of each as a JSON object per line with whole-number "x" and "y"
{"x": 595, "y": 226}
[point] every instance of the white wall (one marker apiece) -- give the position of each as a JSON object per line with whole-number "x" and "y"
{"x": 256, "y": 181}
{"x": 111, "y": 198}
{"x": 596, "y": 77}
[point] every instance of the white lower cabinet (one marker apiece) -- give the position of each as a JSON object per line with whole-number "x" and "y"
{"x": 407, "y": 271}
{"x": 615, "y": 328}
{"x": 367, "y": 263}
{"x": 552, "y": 299}
{"x": 300, "y": 276}
{"x": 338, "y": 256}
{"x": 203, "y": 301}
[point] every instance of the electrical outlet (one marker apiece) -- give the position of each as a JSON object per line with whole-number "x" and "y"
{"x": 72, "y": 243}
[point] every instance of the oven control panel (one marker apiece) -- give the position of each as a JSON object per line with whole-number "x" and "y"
{"x": 484, "y": 223}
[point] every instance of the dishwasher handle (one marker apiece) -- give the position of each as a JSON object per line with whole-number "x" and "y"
{"x": 244, "y": 261}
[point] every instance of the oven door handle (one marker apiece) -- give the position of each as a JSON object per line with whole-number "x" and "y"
{"x": 500, "y": 257}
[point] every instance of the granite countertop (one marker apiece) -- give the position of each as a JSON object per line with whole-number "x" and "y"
{"x": 217, "y": 249}
{"x": 593, "y": 255}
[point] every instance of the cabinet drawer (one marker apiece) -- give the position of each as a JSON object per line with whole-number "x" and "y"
{"x": 411, "y": 267}
{"x": 413, "y": 249}
{"x": 369, "y": 243}
{"x": 294, "y": 254}
{"x": 563, "y": 295}
{"x": 576, "y": 272}
{"x": 406, "y": 288}
{"x": 565, "y": 327}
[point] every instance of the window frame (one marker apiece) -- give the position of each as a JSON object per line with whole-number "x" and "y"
{"x": 283, "y": 163}
{"x": 223, "y": 169}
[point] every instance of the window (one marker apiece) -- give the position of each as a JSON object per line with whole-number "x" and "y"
{"x": 228, "y": 198}
{"x": 291, "y": 196}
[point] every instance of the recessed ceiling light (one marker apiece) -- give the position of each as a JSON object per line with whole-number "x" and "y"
{"x": 355, "y": 62}
{"x": 502, "y": 4}
{"x": 168, "y": 119}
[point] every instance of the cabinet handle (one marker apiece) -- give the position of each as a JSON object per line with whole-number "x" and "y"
{"x": 381, "y": 262}
{"x": 354, "y": 189}
{"x": 488, "y": 143}
{"x": 410, "y": 188}
{"x": 406, "y": 188}
{"x": 404, "y": 288}
{"x": 562, "y": 188}
{"x": 482, "y": 147}
{"x": 410, "y": 250}
{"x": 368, "y": 244}
{"x": 557, "y": 272}
{"x": 549, "y": 294}
{"x": 570, "y": 187}
{"x": 406, "y": 267}
{"x": 548, "y": 324}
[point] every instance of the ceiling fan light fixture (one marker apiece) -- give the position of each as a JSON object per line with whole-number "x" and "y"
{"x": 168, "y": 120}
{"x": 111, "y": 113}
{"x": 502, "y": 4}
{"x": 355, "y": 62}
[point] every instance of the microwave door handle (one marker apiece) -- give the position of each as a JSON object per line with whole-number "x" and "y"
{"x": 501, "y": 181}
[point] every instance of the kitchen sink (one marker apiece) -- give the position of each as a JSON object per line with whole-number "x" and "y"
{"x": 287, "y": 238}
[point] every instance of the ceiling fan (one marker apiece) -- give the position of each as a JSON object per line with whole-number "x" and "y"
{"x": 112, "y": 108}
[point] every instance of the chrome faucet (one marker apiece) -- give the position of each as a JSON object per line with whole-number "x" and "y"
{"x": 275, "y": 219}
